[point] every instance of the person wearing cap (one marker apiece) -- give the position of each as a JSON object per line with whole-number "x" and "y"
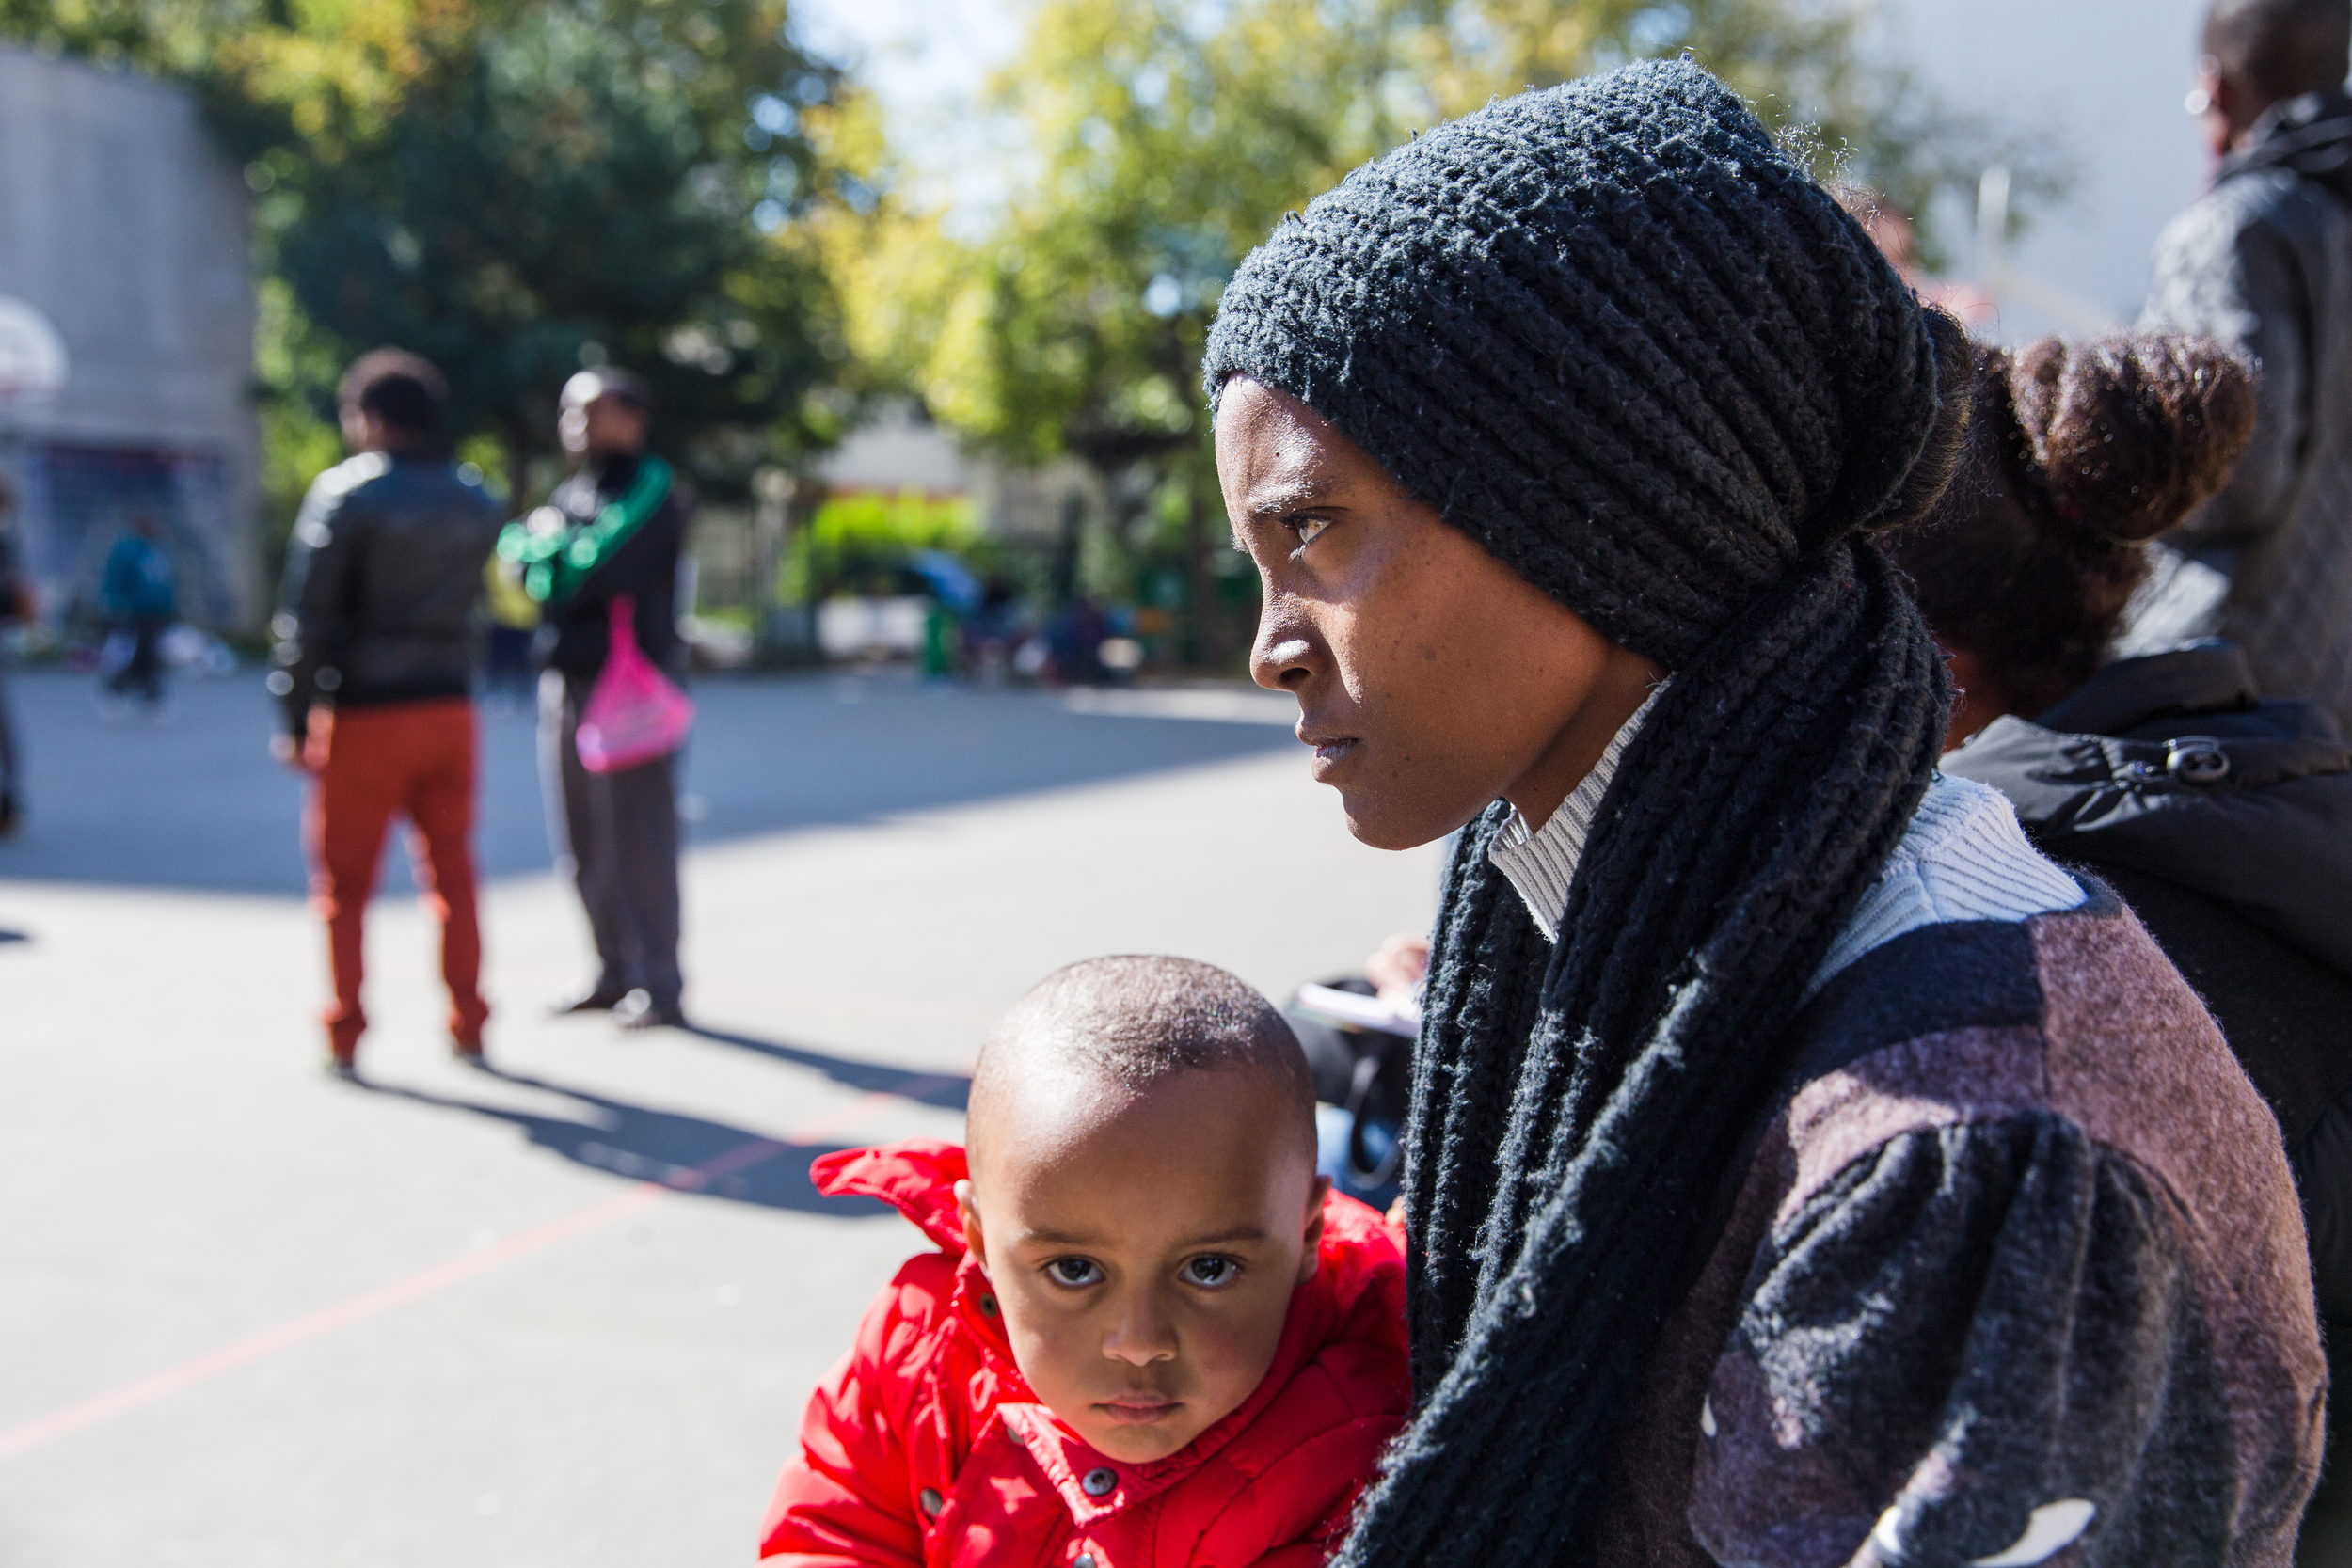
{"x": 372, "y": 670}
{"x": 617, "y": 525}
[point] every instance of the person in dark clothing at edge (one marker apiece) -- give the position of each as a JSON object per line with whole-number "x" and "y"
{"x": 2262, "y": 262}
{"x": 1802, "y": 1171}
{"x": 374, "y": 659}
{"x": 16, "y": 605}
{"x": 2222, "y": 816}
{"x": 620, "y": 521}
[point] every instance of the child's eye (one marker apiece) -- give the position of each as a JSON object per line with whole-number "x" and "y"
{"x": 1074, "y": 1271}
{"x": 1209, "y": 1271}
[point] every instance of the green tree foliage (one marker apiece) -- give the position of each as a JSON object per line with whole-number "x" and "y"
{"x": 1162, "y": 153}
{"x": 515, "y": 189}
{"x": 567, "y": 188}
{"x": 1162, "y": 141}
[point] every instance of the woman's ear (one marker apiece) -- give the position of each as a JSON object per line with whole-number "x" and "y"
{"x": 1310, "y": 1254}
{"x": 973, "y": 1241}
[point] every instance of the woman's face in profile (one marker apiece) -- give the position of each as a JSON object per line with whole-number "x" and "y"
{"x": 1430, "y": 678}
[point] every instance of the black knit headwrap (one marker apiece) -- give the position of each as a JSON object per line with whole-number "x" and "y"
{"x": 1610, "y": 332}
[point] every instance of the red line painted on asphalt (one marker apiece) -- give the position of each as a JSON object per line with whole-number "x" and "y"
{"x": 44, "y": 1430}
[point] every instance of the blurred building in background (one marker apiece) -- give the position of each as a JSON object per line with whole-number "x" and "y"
{"x": 900, "y": 449}
{"x": 125, "y": 227}
{"x": 2104, "y": 79}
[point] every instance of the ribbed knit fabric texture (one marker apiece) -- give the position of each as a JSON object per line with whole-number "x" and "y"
{"x": 1541, "y": 861}
{"x": 1964, "y": 858}
{"x": 1609, "y": 331}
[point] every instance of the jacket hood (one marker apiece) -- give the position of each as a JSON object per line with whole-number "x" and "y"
{"x": 917, "y": 1177}
{"x": 2310, "y": 136}
{"x": 2176, "y": 765}
{"x": 1347, "y": 1317}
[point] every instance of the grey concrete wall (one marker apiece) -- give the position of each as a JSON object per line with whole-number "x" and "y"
{"x": 123, "y": 223}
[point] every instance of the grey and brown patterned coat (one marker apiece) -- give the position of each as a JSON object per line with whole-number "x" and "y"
{"x": 2014, "y": 1276}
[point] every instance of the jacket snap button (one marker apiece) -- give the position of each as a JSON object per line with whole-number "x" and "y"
{"x": 987, "y": 1307}
{"x": 932, "y": 1502}
{"x": 2197, "y": 759}
{"x": 1084, "y": 1560}
{"x": 1099, "y": 1482}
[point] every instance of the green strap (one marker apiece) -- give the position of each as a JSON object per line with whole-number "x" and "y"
{"x": 555, "y": 561}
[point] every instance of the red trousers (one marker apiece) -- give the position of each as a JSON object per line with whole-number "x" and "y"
{"x": 411, "y": 759}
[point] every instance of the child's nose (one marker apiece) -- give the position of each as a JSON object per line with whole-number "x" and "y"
{"x": 1140, "y": 1334}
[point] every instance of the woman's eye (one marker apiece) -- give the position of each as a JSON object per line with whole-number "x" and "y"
{"x": 1208, "y": 1272}
{"x": 1074, "y": 1271}
{"x": 1307, "y": 527}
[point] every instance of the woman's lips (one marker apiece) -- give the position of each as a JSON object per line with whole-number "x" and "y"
{"x": 1331, "y": 749}
{"x": 1138, "y": 1409}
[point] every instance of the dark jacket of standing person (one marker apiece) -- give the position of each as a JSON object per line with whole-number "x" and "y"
{"x": 575, "y": 634}
{"x": 382, "y": 577}
{"x": 2263, "y": 263}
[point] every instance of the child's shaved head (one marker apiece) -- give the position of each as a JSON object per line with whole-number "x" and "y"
{"x": 1143, "y": 1197}
{"x": 1126, "y": 1023}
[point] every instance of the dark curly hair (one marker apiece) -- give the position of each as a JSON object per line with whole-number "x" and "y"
{"x": 405, "y": 391}
{"x": 2077, "y": 452}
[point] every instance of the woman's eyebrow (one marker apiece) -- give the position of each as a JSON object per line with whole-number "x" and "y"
{"x": 1284, "y": 497}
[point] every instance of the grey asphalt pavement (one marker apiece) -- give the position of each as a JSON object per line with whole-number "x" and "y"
{"x": 565, "y": 1312}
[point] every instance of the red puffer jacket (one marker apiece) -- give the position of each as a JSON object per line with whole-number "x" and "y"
{"x": 925, "y": 1446}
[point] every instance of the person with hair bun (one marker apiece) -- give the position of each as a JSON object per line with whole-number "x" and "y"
{"x": 2077, "y": 453}
{"x": 1800, "y": 1169}
{"x": 2222, "y": 815}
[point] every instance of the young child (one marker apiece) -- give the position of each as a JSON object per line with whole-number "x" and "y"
{"x": 1151, "y": 1338}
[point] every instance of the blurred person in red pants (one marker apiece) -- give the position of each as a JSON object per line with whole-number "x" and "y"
{"x": 373, "y": 657}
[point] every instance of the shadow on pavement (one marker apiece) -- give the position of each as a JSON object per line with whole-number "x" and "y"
{"x": 949, "y": 1091}
{"x": 689, "y": 1154}
{"x": 197, "y": 802}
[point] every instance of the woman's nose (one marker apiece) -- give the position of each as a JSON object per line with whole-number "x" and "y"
{"x": 1281, "y": 656}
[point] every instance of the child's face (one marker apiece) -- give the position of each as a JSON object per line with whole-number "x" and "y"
{"x": 1143, "y": 1250}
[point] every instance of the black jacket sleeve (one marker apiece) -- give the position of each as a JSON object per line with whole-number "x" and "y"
{"x": 314, "y": 598}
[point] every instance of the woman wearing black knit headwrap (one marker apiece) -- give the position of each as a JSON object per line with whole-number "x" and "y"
{"x": 1802, "y": 1170}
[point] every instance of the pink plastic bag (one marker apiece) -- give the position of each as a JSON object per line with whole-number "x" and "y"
{"x": 635, "y": 713}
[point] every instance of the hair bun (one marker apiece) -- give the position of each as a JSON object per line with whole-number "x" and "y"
{"x": 2131, "y": 431}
